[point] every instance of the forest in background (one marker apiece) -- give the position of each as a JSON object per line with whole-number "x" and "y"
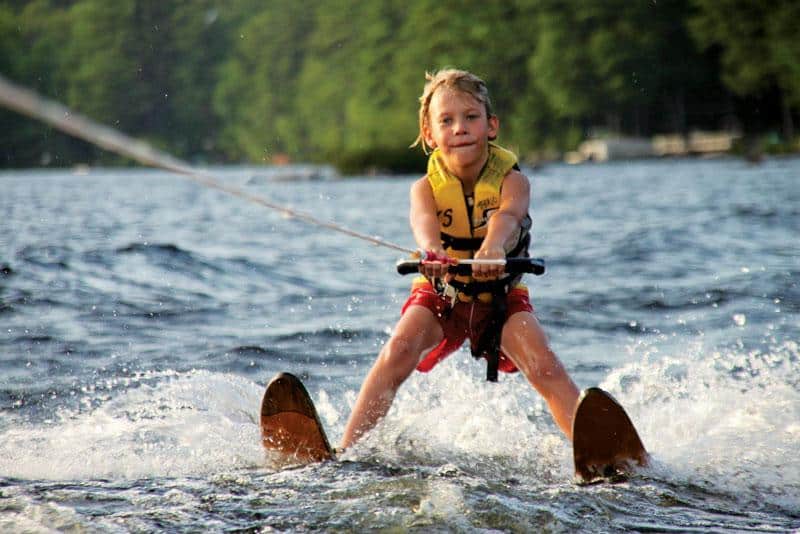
{"x": 255, "y": 81}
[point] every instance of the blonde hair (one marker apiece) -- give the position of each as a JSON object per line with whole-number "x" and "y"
{"x": 459, "y": 80}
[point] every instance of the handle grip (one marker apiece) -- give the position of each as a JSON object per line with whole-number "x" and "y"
{"x": 513, "y": 266}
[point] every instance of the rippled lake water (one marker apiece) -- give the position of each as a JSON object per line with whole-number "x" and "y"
{"x": 142, "y": 316}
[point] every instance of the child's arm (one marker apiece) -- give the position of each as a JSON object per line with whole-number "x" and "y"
{"x": 425, "y": 225}
{"x": 514, "y": 203}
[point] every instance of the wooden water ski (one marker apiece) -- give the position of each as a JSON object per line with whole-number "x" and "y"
{"x": 605, "y": 443}
{"x": 289, "y": 422}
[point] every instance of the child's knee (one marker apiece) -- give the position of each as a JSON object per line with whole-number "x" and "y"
{"x": 540, "y": 365}
{"x": 547, "y": 367}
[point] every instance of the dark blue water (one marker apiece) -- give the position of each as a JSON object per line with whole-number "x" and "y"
{"x": 141, "y": 316}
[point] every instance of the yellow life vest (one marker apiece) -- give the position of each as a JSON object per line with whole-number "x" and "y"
{"x": 462, "y": 233}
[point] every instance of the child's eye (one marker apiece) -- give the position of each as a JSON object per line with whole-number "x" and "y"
{"x": 473, "y": 116}
{"x": 446, "y": 120}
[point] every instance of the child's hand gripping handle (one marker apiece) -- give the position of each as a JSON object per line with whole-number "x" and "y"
{"x": 513, "y": 266}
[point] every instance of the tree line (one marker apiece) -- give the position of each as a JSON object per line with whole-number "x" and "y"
{"x": 338, "y": 81}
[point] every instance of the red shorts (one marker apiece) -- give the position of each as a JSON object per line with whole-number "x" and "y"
{"x": 465, "y": 320}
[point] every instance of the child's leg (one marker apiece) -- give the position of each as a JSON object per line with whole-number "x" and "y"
{"x": 417, "y": 332}
{"x": 526, "y": 344}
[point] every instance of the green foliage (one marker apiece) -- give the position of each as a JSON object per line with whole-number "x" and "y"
{"x": 758, "y": 44}
{"x": 783, "y": 46}
{"x": 738, "y": 27}
{"x": 257, "y": 86}
{"x": 138, "y": 66}
{"x": 31, "y": 51}
{"x": 247, "y": 80}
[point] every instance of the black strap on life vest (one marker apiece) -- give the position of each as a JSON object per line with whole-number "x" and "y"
{"x": 474, "y": 243}
{"x": 488, "y": 345}
{"x": 461, "y": 243}
{"x": 489, "y": 342}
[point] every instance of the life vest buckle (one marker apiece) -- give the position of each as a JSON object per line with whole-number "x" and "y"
{"x": 450, "y": 293}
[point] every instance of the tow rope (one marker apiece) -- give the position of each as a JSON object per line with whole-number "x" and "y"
{"x": 61, "y": 117}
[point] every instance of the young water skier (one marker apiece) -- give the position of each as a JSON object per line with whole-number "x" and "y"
{"x": 473, "y": 202}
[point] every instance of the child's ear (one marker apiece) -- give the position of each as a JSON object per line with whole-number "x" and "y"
{"x": 426, "y": 135}
{"x": 494, "y": 127}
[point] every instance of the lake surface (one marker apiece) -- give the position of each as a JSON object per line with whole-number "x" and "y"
{"x": 142, "y": 316}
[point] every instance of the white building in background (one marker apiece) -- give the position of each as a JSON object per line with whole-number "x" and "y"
{"x": 696, "y": 143}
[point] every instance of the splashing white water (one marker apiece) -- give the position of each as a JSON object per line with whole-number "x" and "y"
{"x": 725, "y": 421}
{"x": 191, "y": 424}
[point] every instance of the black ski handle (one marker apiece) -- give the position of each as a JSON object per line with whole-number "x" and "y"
{"x": 513, "y": 266}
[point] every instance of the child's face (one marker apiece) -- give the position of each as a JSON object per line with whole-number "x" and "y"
{"x": 459, "y": 128}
